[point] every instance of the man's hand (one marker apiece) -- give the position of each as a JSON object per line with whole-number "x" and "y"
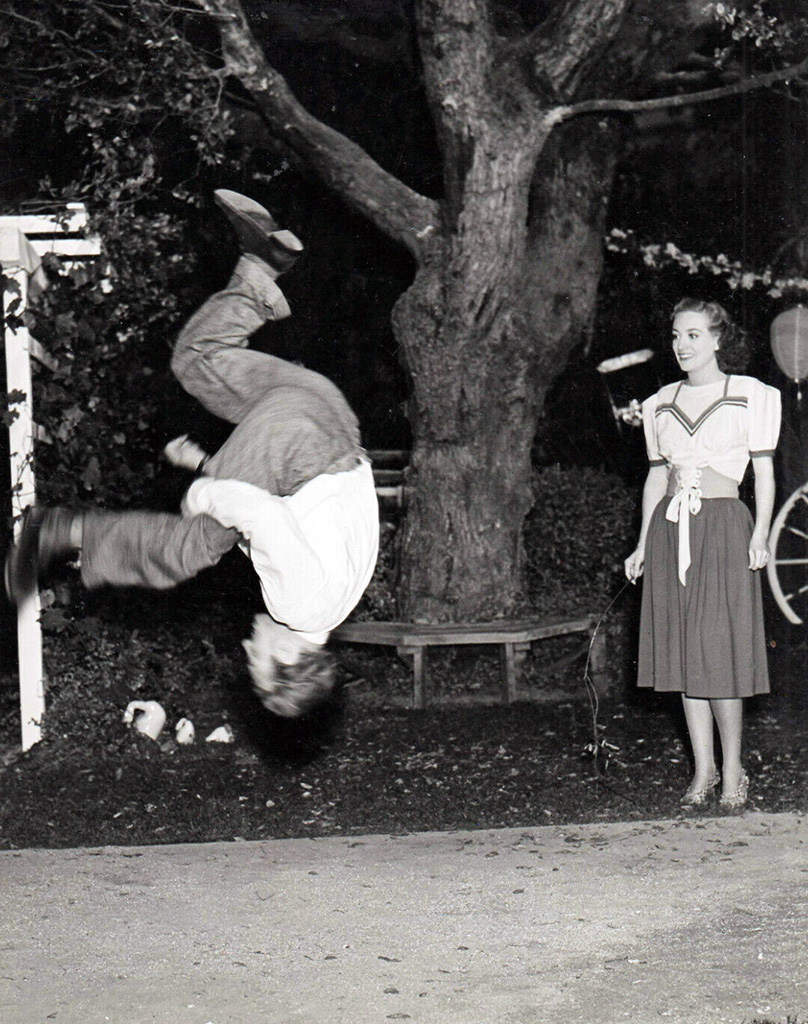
{"x": 186, "y": 454}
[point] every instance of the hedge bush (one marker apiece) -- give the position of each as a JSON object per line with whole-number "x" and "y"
{"x": 583, "y": 525}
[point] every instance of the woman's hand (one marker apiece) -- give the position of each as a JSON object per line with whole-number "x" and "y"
{"x": 759, "y": 553}
{"x": 634, "y": 564}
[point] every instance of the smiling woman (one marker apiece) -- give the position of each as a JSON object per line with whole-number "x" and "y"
{"x": 695, "y": 345}
{"x": 701, "y": 629}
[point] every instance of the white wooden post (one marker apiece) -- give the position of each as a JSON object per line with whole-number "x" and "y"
{"x": 19, "y": 261}
{"x": 22, "y": 240}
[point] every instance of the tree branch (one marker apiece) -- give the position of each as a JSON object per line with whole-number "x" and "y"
{"x": 729, "y": 76}
{"x": 456, "y": 43}
{"x": 575, "y": 35}
{"x": 398, "y": 211}
{"x": 559, "y": 114}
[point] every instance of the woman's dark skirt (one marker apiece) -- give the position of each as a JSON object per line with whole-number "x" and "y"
{"x": 704, "y": 639}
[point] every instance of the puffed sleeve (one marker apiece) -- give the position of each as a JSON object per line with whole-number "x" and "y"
{"x": 764, "y": 419}
{"x": 649, "y": 428}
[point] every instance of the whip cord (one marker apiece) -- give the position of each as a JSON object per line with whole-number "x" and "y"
{"x": 597, "y": 744}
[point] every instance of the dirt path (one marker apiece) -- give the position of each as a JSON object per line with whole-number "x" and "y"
{"x": 698, "y": 922}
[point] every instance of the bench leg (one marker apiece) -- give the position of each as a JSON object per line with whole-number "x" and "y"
{"x": 597, "y": 665}
{"x": 511, "y": 659}
{"x": 507, "y": 667}
{"x": 419, "y": 695}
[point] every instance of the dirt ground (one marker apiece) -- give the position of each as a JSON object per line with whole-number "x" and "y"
{"x": 373, "y": 767}
{"x": 692, "y": 922}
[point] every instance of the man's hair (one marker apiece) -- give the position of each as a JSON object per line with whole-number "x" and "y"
{"x": 289, "y": 690}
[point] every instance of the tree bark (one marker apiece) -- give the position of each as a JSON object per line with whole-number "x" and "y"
{"x": 482, "y": 353}
{"x": 473, "y": 328}
{"x": 569, "y": 203}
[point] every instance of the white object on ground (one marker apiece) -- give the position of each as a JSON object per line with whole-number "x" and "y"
{"x": 224, "y": 734}
{"x": 184, "y": 731}
{"x": 150, "y": 717}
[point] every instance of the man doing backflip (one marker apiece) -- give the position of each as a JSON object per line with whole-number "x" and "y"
{"x": 291, "y": 485}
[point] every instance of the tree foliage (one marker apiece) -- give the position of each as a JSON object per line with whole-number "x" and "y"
{"x": 103, "y": 402}
{"x": 100, "y": 96}
{"x": 136, "y": 77}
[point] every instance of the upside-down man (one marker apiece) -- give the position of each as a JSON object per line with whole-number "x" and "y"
{"x": 291, "y": 485}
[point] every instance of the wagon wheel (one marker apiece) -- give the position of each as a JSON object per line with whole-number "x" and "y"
{"x": 788, "y": 568}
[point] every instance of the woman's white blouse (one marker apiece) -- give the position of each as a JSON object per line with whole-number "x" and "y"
{"x": 720, "y": 425}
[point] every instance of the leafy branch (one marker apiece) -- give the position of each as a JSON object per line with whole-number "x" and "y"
{"x": 795, "y": 72}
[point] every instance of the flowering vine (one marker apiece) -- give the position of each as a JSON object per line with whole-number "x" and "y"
{"x": 765, "y": 30}
{"x": 657, "y": 256}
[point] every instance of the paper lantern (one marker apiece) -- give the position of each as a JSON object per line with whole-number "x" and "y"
{"x": 789, "y": 340}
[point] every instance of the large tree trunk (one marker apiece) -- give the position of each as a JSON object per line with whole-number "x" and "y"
{"x": 469, "y": 478}
{"x": 462, "y": 330}
{"x": 479, "y": 359}
{"x": 485, "y": 331}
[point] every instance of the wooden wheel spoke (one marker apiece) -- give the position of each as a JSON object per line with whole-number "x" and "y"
{"x": 778, "y": 566}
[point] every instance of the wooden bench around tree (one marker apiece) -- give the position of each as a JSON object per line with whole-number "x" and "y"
{"x": 514, "y": 636}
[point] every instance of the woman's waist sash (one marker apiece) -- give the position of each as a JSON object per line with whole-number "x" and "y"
{"x": 712, "y": 484}
{"x": 688, "y": 485}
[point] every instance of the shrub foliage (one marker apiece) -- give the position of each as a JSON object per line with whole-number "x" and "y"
{"x": 581, "y": 528}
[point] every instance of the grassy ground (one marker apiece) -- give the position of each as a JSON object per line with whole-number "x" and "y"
{"x": 367, "y": 765}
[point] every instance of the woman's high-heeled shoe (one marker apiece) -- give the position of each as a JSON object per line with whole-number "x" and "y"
{"x": 735, "y": 801}
{"x": 698, "y": 797}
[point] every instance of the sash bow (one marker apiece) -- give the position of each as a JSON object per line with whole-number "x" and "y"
{"x": 685, "y": 503}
